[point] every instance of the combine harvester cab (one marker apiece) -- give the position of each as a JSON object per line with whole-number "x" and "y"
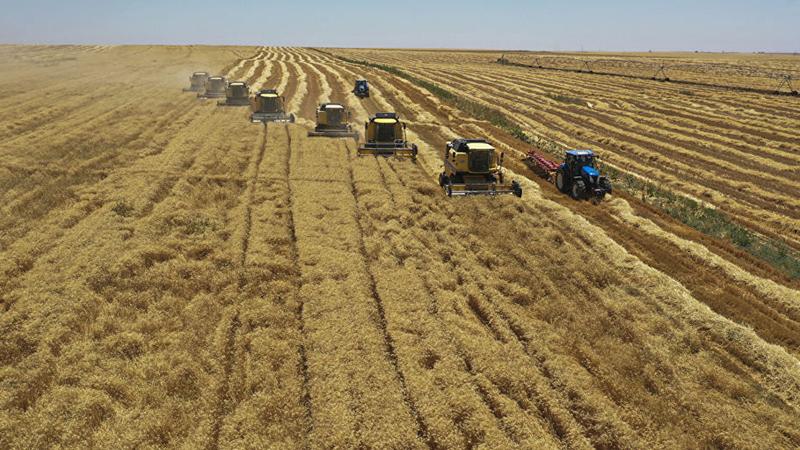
{"x": 236, "y": 94}
{"x": 577, "y": 175}
{"x": 268, "y": 107}
{"x": 215, "y": 88}
{"x": 332, "y": 121}
{"x": 361, "y": 89}
{"x": 385, "y": 135}
{"x": 197, "y": 82}
{"x": 473, "y": 167}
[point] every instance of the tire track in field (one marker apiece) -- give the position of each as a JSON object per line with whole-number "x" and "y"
{"x": 105, "y": 223}
{"x": 120, "y": 78}
{"x": 376, "y": 103}
{"x": 86, "y": 168}
{"x": 686, "y": 153}
{"x": 722, "y": 123}
{"x": 55, "y": 229}
{"x": 422, "y": 428}
{"x": 300, "y": 310}
{"x": 742, "y": 209}
{"x": 551, "y": 402}
{"x": 774, "y": 331}
{"x": 340, "y": 312}
{"x": 562, "y": 422}
{"x": 296, "y": 90}
{"x": 517, "y": 429}
{"x": 222, "y": 407}
{"x": 691, "y": 131}
{"x": 224, "y": 402}
{"x": 591, "y": 424}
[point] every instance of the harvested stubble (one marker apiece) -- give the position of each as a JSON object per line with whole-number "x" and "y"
{"x": 710, "y": 146}
{"x": 218, "y": 284}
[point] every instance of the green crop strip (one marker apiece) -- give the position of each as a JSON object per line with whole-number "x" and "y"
{"x": 686, "y": 210}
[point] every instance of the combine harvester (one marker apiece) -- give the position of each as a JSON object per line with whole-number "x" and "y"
{"x": 385, "y": 135}
{"x": 215, "y": 87}
{"x": 577, "y": 175}
{"x": 236, "y": 94}
{"x": 361, "y": 89}
{"x": 332, "y": 121}
{"x": 197, "y": 82}
{"x": 268, "y": 107}
{"x": 473, "y": 167}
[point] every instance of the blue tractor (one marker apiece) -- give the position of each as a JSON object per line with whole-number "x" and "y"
{"x": 361, "y": 89}
{"x": 579, "y": 177}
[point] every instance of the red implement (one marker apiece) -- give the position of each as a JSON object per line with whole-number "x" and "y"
{"x": 545, "y": 166}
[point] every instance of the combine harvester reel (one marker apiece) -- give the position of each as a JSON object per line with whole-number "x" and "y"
{"x": 577, "y": 175}
{"x": 236, "y": 94}
{"x": 385, "y": 135}
{"x": 332, "y": 121}
{"x": 473, "y": 167}
{"x": 197, "y": 82}
{"x": 215, "y": 87}
{"x": 268, "y": 106}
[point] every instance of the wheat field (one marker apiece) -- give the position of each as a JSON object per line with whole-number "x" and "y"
{"x": 737, "y": 151}
{"x": 172, "y": 275}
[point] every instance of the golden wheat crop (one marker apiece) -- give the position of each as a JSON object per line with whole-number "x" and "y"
{"x": 172, "y": 275}
{"x": 735, "y": 150}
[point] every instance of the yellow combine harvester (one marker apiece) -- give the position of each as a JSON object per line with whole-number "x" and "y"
{"x": 197, "y": 82}
{"x": 268, "y": 107}
{"x": 236, "y": 94}
{"x": 473, "y": 167}
{"x": 215, "y": 88}
{"x": 332, "y": 122}
{"x": 385, "y": 135}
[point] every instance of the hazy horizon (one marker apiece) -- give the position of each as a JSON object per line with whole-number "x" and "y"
{"x": 680, "y": 26}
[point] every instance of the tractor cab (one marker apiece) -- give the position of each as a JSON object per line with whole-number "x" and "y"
{"x": 580, "y": 161}
{"x": 361, "y": 89}
{"x": 579, "y": 177}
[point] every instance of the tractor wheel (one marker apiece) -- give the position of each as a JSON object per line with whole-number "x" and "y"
{"x": 442, "y": 179}
{"x": 578, "y": 190}
{"x": 516, "y": 188}
{"x": 561, "y": 181}
{"x": 605, "y": 184}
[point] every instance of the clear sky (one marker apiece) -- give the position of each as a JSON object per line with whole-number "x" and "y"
{"x": 713, "y": 25}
